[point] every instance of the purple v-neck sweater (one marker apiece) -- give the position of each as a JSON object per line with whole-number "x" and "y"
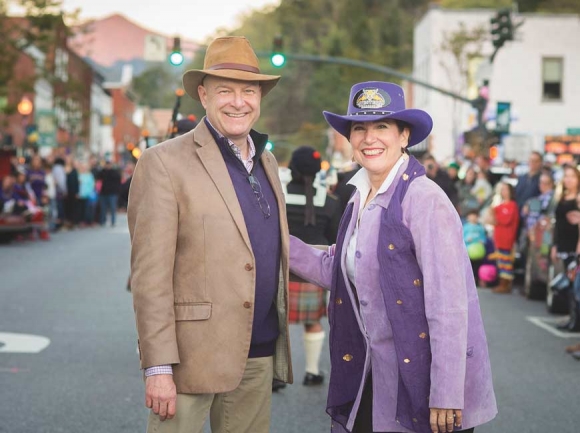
{"x": 264, "y": 234}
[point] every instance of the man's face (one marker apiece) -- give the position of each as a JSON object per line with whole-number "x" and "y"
{"x": 231, "y": 106}
{"x": 535, "y": 163}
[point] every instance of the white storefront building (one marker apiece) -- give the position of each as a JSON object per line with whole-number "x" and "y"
{"x": 101, "y": 139}
{"x": 538, "y": 73}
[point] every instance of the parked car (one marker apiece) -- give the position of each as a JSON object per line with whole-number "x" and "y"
{"x": 12, "y": 226}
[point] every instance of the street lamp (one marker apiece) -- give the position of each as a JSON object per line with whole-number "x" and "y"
{"x": 25, "y": 108}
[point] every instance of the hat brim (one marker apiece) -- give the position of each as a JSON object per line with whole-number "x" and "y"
{"x": 420, "y": 121}
{"x": 193, "y": 78}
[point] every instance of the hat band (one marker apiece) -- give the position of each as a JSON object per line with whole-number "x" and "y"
{"x": 236, "y": 66}
{"x": 367, "y": 113}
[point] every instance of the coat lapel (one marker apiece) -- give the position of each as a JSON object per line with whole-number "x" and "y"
{"x": 213, "y": 161}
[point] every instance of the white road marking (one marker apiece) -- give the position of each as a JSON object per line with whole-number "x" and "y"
{"x": 22, "y": 343}
{"x": 548, "y": 323}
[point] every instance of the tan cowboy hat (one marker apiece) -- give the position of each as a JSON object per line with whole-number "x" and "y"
{"x": 229, "y": 57}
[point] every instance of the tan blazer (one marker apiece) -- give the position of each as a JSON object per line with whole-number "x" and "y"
{"x": 192, "y": 266}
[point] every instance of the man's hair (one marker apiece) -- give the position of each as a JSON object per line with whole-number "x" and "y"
{"x": 428, "y": 157}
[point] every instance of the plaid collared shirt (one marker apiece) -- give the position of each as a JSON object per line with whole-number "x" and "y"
{"x": 249, "y": 163}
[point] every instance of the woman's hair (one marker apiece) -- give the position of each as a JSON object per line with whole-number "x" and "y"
{"x": 470, "y": 170}
{"x": 401, "y": 125}
{"x": 511, "y": 190}
{"x": 577, "y": 173}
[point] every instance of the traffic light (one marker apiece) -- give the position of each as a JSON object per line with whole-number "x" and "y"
{"x": 278, "y": 58}
{"x": 176, "y": 58}
{"x": 502, "y": 28}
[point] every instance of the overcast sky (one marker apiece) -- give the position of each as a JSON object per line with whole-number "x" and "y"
{"x": 194, "y": 19}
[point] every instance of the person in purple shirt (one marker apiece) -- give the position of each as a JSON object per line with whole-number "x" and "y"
{"x": 36, "y": 176}
{"x": 407, "y": 345}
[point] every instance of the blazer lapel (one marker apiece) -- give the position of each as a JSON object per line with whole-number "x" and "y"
{"x": 213, "y": 161}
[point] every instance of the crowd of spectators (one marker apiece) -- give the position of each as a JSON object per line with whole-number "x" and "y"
{"x": 60, "y": 192}
{"x": 500, "y": 207}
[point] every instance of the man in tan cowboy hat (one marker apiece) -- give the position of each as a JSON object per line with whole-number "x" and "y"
{"x": 209, "y": 258}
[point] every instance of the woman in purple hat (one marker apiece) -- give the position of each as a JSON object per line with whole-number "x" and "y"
{"x": 407, "y": 344}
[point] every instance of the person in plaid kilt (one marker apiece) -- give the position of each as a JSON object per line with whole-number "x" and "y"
{"x": 313, "y": 216}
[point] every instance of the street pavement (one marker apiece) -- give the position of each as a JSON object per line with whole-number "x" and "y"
{"x": 80, "y": 374}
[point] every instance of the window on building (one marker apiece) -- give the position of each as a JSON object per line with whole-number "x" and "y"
{"x": 552, "y": 69}
{"x": 61, "y": 64}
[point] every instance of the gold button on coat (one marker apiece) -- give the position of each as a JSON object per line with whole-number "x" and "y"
{"x": 338, "y": 301}
{"x": 405, "y": 176}
{"x": 347, "y": 357}
{"x": 415, "y": 420}
{"x": 422, "y": 335}
{"x": 406, "y": 360}
{"x": 391, "y": 247}
{"x": 399, "y": 302}
{"x": 417, "y": 282}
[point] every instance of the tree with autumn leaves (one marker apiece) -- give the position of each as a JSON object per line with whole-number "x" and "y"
{"x": 374, "y": 31}
{"x": 34, "y": 31}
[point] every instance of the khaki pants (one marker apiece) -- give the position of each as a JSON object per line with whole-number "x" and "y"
{"x": 246, "y": 409}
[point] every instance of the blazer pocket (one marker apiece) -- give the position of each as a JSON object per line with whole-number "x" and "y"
{"x": 194, "y": 311}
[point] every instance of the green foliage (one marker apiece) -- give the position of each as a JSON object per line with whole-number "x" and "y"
{"x": 155, "y": 87}
{"x": 471, "y": 4}
{"x": 40, "y": 27}
{"x": 374, "y": 31}
{"x": 463, "y": 45}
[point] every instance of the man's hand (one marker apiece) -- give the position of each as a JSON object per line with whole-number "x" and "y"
{"x": 443, "y": 420}
{"x": 161, "y": 395}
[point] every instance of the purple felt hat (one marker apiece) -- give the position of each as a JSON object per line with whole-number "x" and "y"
{"x": 376, "y": 100}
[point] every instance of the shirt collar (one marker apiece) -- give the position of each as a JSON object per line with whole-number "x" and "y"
{"x": 363, "y": 185}
{"x": 236, "y": 149}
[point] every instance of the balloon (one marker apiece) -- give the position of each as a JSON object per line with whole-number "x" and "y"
{"x": 487, "y": 273}
{"x": 476, "y": 251}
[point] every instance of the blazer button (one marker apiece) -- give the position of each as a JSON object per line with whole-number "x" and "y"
{"x": 406, "y": 360}
{"x": 417, "y": 282}
{"x": 247, "y": 304}
{"x": 347, "y": 357}
{"x": 422, "y": 335}
{"x": 399, "y": 302}
{"x": 405, "y": 177}
{"x": 338, "y": 301}
{"x": 248, "y": 267}
{"x": 391, "y": 247}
